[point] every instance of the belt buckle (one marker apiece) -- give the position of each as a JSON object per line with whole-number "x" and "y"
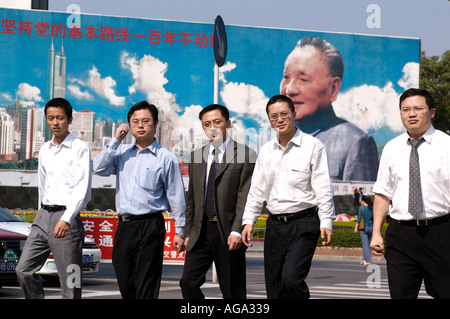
{"x": 422, "y": 222}
{"x": 125, "y": 218}
{"x": 282, "y": 219}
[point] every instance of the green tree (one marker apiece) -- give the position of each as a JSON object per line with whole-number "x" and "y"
{"x": 435, "y": 78}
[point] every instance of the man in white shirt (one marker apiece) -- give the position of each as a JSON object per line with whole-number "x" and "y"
{"x": 417, "y": 245}
{"x": 291, "y": 175}
{"x": 64, "y": 182}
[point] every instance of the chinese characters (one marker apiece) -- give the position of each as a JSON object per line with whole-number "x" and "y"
{"x": 103, "y": 33}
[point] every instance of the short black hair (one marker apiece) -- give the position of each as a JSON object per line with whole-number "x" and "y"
{"x": 59, "y": 102}
{"x": 280, "y": 98}
{"x": 212, "y": 107}
{"x": 141, "y": 106}
{"x": 422, "y": 92}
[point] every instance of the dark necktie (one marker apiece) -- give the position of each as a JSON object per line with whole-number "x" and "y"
{"x": 415, "y": 191}
{"x": 210, "y": 207}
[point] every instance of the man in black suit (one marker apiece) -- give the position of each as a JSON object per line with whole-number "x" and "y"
{"x": 214, "y": 209}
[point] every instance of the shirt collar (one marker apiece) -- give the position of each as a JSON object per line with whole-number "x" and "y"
{"x": 67, "y": 141}
{"x": 427, "y": 136}
{"x": 221, "y": 148}
{"x": 296, "y": 139}
{"x": 153, "y": 147}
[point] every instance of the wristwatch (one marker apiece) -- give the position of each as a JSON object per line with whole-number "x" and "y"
{"x": 180, "y": 235}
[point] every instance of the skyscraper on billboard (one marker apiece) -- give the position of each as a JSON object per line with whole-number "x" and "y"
{"x": 56, "y": 78}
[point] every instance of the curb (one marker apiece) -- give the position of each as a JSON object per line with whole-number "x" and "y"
{"x": 339, "y": 253}
{"x": 347, "y": 253}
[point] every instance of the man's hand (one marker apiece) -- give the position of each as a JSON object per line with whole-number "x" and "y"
{"x": 122, "y": 128}
{"x": 247, "y": 235}
{"x": 61, "y": 229}
{"x": 380, "y": 209}
{"x": 377, "y": 245}
{"x": 179, "y": 242}
{"x": 234, "y": 242}
{"x": 328, "y": 233}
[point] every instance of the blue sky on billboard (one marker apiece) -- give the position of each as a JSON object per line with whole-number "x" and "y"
{"x": 108, "y": 77}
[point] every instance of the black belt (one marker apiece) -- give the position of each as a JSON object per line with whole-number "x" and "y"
{"x": 285, "y": 218}
{"x": 424, "y": 222}
{"x": 128, "y": 218}
{"x": 53, "y": 208}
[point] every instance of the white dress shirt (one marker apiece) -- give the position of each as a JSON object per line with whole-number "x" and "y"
{"x": 291, "y": 180}
{"x": 434, "y": 161}
{"x": 64, "y": 175}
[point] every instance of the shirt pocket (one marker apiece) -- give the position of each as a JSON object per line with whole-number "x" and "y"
{"x": 299, "y": 175}
{"x": 148, "y": 179}
{"x": 438, "y": 172}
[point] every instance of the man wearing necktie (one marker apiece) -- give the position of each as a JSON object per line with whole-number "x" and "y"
{"x": 219, "y": 179}
{"x": 414, "y": 173}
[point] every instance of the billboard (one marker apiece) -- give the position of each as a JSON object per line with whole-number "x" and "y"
{"x": 104, "y": 64}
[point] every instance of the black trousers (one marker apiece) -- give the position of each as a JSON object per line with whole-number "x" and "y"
{"x": 288, "y": 252}
{"x": 138, "y": 257}
{"x": 230, "y": 266}
{"x": 416, "y": 254}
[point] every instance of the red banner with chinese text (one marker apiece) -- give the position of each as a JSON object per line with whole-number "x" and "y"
{"x": 103, "y": 228}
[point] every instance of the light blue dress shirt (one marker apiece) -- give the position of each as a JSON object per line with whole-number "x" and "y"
{"x": 147, "y": 181}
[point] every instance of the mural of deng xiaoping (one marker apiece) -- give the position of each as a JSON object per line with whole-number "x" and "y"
{"x": 345, "y": 86}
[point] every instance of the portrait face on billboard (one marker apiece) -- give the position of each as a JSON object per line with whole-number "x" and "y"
{"x": 308, "y": 82}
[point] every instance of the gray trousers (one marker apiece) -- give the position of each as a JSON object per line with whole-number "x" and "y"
{"x": 67, "y": 253}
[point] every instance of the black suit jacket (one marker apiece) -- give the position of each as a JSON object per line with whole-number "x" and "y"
{"x": 232, "y": 184}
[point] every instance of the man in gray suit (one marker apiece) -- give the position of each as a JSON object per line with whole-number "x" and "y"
{"x": 214, "y": 209}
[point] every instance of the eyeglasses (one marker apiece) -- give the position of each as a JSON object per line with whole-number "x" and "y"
{"x": 144, "y": 122}
{"x": 408, "y": 109}
{"x": 274, "y": 117}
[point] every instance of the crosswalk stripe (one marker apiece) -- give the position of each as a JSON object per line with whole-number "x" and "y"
{"x": 356, "y": 290}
